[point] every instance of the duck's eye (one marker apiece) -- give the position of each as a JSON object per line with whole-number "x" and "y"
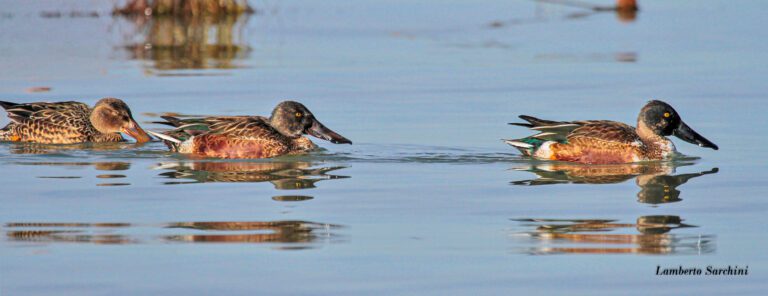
{"x": 666, "y": 114}
{"x": 298, "y": 114}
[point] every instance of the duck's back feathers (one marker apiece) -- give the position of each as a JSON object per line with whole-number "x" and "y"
{"x": 56, "y": 112}
{"x": 605, "y": 130}
{"x": 56, "y": 123}
{"x": 565, "y": 131}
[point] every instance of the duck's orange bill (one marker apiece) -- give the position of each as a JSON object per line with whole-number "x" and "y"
{"x": 134, "y": 130}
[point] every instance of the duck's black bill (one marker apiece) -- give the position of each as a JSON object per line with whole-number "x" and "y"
{"x": 320, "y": 131}
{"x": 686, "y": 133}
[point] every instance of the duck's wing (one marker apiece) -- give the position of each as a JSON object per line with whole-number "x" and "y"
{"x": 227, "y": 125}
{"x": 197, "y": 126}
{"x": 50, "y": 120}
{"x": 605, "y": 130}
{"x": 566, "y": 131}
{"x": 243, "y": 127}
{"x": 549, "y": 130}
{"x": 51, "y": 112}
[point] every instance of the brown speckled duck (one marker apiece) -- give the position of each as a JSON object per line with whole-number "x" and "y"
{"x": 606, "y": 142}
{"x": 70, "y": 122}
{"x": 248, "y": 136}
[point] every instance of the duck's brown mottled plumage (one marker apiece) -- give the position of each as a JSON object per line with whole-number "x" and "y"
{"x": 602, "y": 141}
{"x": 608, "y": 142}
{"x": 65, "y": 122}
{"x": 241, "y": 138}
{"x": 248, "y": 136}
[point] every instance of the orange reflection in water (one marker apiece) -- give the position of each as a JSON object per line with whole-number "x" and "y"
{"x": 657, "y": 180}
{"x": 283, "y": 175}
{"x": 288, "y": 231}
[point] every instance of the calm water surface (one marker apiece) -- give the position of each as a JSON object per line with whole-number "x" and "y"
{"x": 428, "y": 200}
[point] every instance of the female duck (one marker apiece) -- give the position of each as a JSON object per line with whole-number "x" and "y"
{"x": 70, "y": 122}
{"x": 606, "y": 142}
{"x": 248, "y": 136}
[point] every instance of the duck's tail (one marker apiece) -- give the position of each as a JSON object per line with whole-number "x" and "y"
{"x": 549, "y": 130}
{"x": 170, "y": 138}
{"x": 527, "y": 146}
{"x": 5, "y": 133}
{"x": 170, "y": 120}
{"x": 7, "y": 105}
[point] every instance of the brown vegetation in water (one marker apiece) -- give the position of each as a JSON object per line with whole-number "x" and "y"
{"x": 175, "y": 43}
{"x": 185, "y": 7}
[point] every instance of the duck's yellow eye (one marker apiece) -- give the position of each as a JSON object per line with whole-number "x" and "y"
{"x": 298, "y": 114}
{"x": 666, "y": 114}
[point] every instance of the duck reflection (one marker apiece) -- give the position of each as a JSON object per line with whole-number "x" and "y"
{"x": 99, "y": 166}
{"x": 292, "y": 198}
{"x": 590, "y": 236}
{"x": 189, "y": 42}
{"x": 283, "y": 175}
{"x": 277, "y": 231}
{"x": 289, "y": 231}
{"x": 657, "y": 181}
{"x": 48, "y": 232}
{"x": 37, "y": 148}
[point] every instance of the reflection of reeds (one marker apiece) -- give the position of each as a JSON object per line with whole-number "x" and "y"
{"x": 185, "y": 7}
{"x": 204, "y": 42}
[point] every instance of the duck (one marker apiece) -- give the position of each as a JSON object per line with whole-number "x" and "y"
{"x": 70, "y": 122}
{"x": 608, "y": 142}
{"x": 248, "y": 137}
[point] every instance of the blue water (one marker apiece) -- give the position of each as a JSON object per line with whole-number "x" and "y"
{"x": 428, "y": 200}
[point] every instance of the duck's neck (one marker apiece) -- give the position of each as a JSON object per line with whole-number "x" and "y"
{"x": 96, "y": 121}
{"x": 281, "y": 127}
{"x": 657, "y": 146}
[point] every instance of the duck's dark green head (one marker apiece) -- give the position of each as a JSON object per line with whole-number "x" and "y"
{"x": 663, "y": 120}
{"x": 294, "y": 119}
